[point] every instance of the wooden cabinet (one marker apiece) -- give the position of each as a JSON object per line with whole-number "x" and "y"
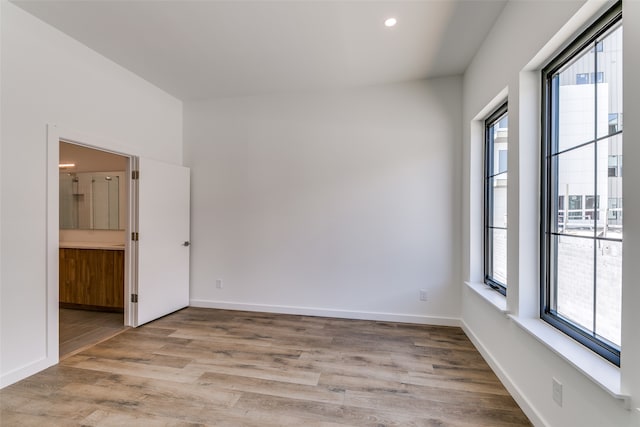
{"x": 93, "y": 278}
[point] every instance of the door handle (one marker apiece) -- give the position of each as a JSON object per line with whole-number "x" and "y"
{"x": 187, "y": 243}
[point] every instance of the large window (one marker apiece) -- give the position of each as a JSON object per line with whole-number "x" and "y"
{"x": 495, "y": 200}
{"x": 582, "y": 167}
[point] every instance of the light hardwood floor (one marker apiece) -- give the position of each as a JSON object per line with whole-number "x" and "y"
{"x": 225, "y": 368}
{"x": 80, "y": 329}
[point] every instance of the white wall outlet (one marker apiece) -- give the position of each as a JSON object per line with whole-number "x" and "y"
{"x": 219, "y": 283}
{"x": 557, "y": 392}
{"x": 423, "y": 294}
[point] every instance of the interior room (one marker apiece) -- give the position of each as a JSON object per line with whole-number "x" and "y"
{"x": 304, "y": 211}
{"x": 93, "y": 222}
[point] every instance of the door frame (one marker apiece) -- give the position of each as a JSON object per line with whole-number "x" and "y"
{"x": 55, "y": 134}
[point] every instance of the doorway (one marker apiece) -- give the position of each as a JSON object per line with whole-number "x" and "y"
{"x": 93, "y": 222}
{"x": 157, "y": 245}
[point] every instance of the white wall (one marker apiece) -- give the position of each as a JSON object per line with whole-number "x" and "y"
{"x": 1, "y": 175}
{"x": 343, "y": 204}
{"x": 631, "y": 191}
{"x": 523, "y": 38}
{"x": 48, "y": 77}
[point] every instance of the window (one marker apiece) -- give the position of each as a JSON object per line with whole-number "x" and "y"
{"x": 592, "y": 207}
{"x": 597, "y": 77}
{"x": 575, "y": 207}
{"x": 614, "y": 216}
{"x": 598, "y": 47}
{"x": 586, "y": 78}
{"x": 582, "y": 79}
{"x": 495, "y": 200}
{"x": 561, "y": 212}
{"x": 615, "y": 165}
{"x": 615, "y": 122}
{"x": 581, "y": 247}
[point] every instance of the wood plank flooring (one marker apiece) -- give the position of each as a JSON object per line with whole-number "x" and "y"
{"x": 202, "y": 367}
{"x": 80, "y": 329}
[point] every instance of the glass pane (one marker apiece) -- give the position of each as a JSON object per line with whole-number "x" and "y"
{"x": 499, "y": 208}
{"x": 83, "y": 200}
{"x": 502, "y": 160}
{"x": 609, "y": 289}
{"x": 576, "y": 102}
{"x": 574, "y": 280}
{"x": 610, "y": 187}
{"x": 68, "y": 201}
{"x": 499, "y": 258}
{"x": 500, "y": 145}
{"x": 114, "y": 202}
{"x": 574, "y": 171}
{"x": 609, "y": 62}
{"x": 496, "y": 199}
{"x": 105, "y": 202}
{"x": 100, "y": 193}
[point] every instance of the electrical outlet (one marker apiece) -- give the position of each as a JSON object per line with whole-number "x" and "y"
{"x": 557, "y": 392}
{"x": 219, "y": 283}
{"x": 423, "y": 294}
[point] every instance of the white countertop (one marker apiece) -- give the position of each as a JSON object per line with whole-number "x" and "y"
{"x": 92, "y": 245}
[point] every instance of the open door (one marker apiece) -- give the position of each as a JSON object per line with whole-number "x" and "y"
{"x": 162, "y": 240}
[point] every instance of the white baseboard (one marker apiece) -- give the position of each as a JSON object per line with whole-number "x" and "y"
{"x": 25, "y": 371}
{"x": 512, "y": 388}
{"x": 325, "y": 312}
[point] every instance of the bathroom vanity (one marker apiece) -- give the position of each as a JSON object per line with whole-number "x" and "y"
{"x": 92, "y": 276}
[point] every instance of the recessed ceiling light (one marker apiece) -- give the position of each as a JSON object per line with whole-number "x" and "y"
{"x": 390, "y": 22}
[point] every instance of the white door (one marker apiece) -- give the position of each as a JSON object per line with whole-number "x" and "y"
{"x": 163, "y": 240}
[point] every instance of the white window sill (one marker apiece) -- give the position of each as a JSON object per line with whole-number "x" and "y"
{"x": 490, "y": 295}
{"x": 594, "y": 367}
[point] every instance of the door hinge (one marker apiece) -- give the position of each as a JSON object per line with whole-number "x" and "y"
{"x": 134, "y": 297}
{"x": 134, "y": 236}
{"x": 135, "y": 174}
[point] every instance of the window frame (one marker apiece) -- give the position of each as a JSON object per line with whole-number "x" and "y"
{"x": 609, "y": 20}
{"x": 492, "y": 120}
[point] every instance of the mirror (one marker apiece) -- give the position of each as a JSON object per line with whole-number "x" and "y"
{"x": 91, "y": 200}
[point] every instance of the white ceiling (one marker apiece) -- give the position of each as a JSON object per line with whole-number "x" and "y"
{"x": 205, "y": 49}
